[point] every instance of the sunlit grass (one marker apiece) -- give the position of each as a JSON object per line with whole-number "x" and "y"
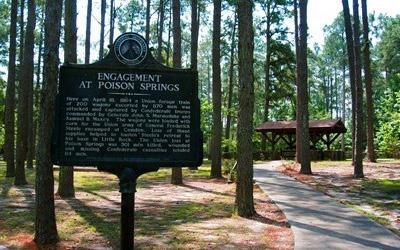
{"x": 322, "y": 164}
{"x": 383, "y": 186}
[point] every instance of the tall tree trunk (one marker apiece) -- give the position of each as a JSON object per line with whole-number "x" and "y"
{"x": 169, "y": 33}
{"x": 296, "y": 41}
{"x": 66, "y": 174}
{"x": 38, "y": 82}
{"x": 24, "y": 89}
{"x": 45, "y": 223}
{"x": 358, "y": 165}
{"x": 216, "y": 93}
{"x": 230, "y": 84}
{"x": 343, "y": 98}
{"x": 112, "y": 21}
{"x": 368, "y": 84}
{"x": 302, "y": 92}
{"x": 88, "y": 27}
{"x": 267, "y": 74}
{"x": 9, "y": 116}
{"x": 148, "y": 20}
{"x": 160, "y": 31}
{"x": 102, "y": 27}
{"x": 208, "y": 81}
{"x": 21, "y": 37}
{"x": 350, "y": 56}
{"x": 176, "y": 177}
{"x": 30, "y": 155}
{"x": 194, "y": 34}
{"x": 244, "y": 185}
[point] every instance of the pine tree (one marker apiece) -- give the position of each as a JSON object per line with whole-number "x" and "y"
{"x": 66, "y": 174}
{"x": 244, "y": 184}
{"x": 176, "y": 177}
{"x": 216, "y": 93}
{"x": 9, "y": 115}
{"x": 45, "y": 223}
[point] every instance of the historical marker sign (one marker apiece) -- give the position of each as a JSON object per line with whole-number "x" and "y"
{"x": 127, "y": 110}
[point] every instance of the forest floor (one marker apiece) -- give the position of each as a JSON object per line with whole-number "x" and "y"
{"x": 196, "y": 215}
{"x": 376, "y": 196}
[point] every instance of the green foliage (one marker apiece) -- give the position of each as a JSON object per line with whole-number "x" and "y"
{"x": 206, "y": 119}
{"x": 389, "y": 47}
{"x": 2, "y": 107}
{"x": 132, "y": 17}
{"x": 4, "y": 30}
{"x": 388, "y": 134}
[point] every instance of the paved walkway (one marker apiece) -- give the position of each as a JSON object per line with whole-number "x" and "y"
{"x": 318, "y": 221}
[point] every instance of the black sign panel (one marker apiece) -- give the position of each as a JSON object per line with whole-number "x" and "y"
{"x": 117, "y": 113}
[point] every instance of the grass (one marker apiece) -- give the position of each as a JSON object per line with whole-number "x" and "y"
{"x": 321, "y": 164}
{"x": 383, "y": 186}
{"x": 378, "y": 219}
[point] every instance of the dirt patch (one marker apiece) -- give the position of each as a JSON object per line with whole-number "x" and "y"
{"x": 336, "y": 180}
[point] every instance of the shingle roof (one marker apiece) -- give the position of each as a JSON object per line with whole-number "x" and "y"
{"x": 316, "y": 126}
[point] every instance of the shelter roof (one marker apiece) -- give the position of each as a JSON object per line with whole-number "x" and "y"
{"x": 316, "y": 127}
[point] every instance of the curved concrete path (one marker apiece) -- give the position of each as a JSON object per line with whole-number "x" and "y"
{"x": 318, "y": 221}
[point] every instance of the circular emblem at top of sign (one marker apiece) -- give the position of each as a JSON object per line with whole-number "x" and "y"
{"x": 130, "y": 48}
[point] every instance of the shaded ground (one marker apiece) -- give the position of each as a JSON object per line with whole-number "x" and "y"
{"x": 197, "y": 215}
{"x": 377, "y": 195}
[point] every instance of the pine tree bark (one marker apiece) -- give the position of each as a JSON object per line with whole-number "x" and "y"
{"x": 267, "y": 73}
{"x": 160, "y": 31}
{"x": 244, "y": 185}
{"x": 302, "y": 92}
{"x": 30, "y": 126}
{"x": 169, "y": 33}
{"x": 194, "y": 34}
{"x": 231, "y": 82}
{"x": 368, "y": 83}
{"x": 38, "y": 82}
{"x": 216, "y": 93}
{"x": 176, "y": 176}
{"x": 296, "y": 41}
{"x": 88, "y": 28}
{"x": 112, "y": 21}
{"x": 66, "y": 174}
{"x": 358, "y": 153}
{"x": 148, "y": 20}
{"x": 45, "y": 223}
{"x": 9, "y": 116}
{"x": 24, "y": 89}
{"x": 350, "y": 57}
{"x": 102, "y": 27}
{"x": 21, "y": 37}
